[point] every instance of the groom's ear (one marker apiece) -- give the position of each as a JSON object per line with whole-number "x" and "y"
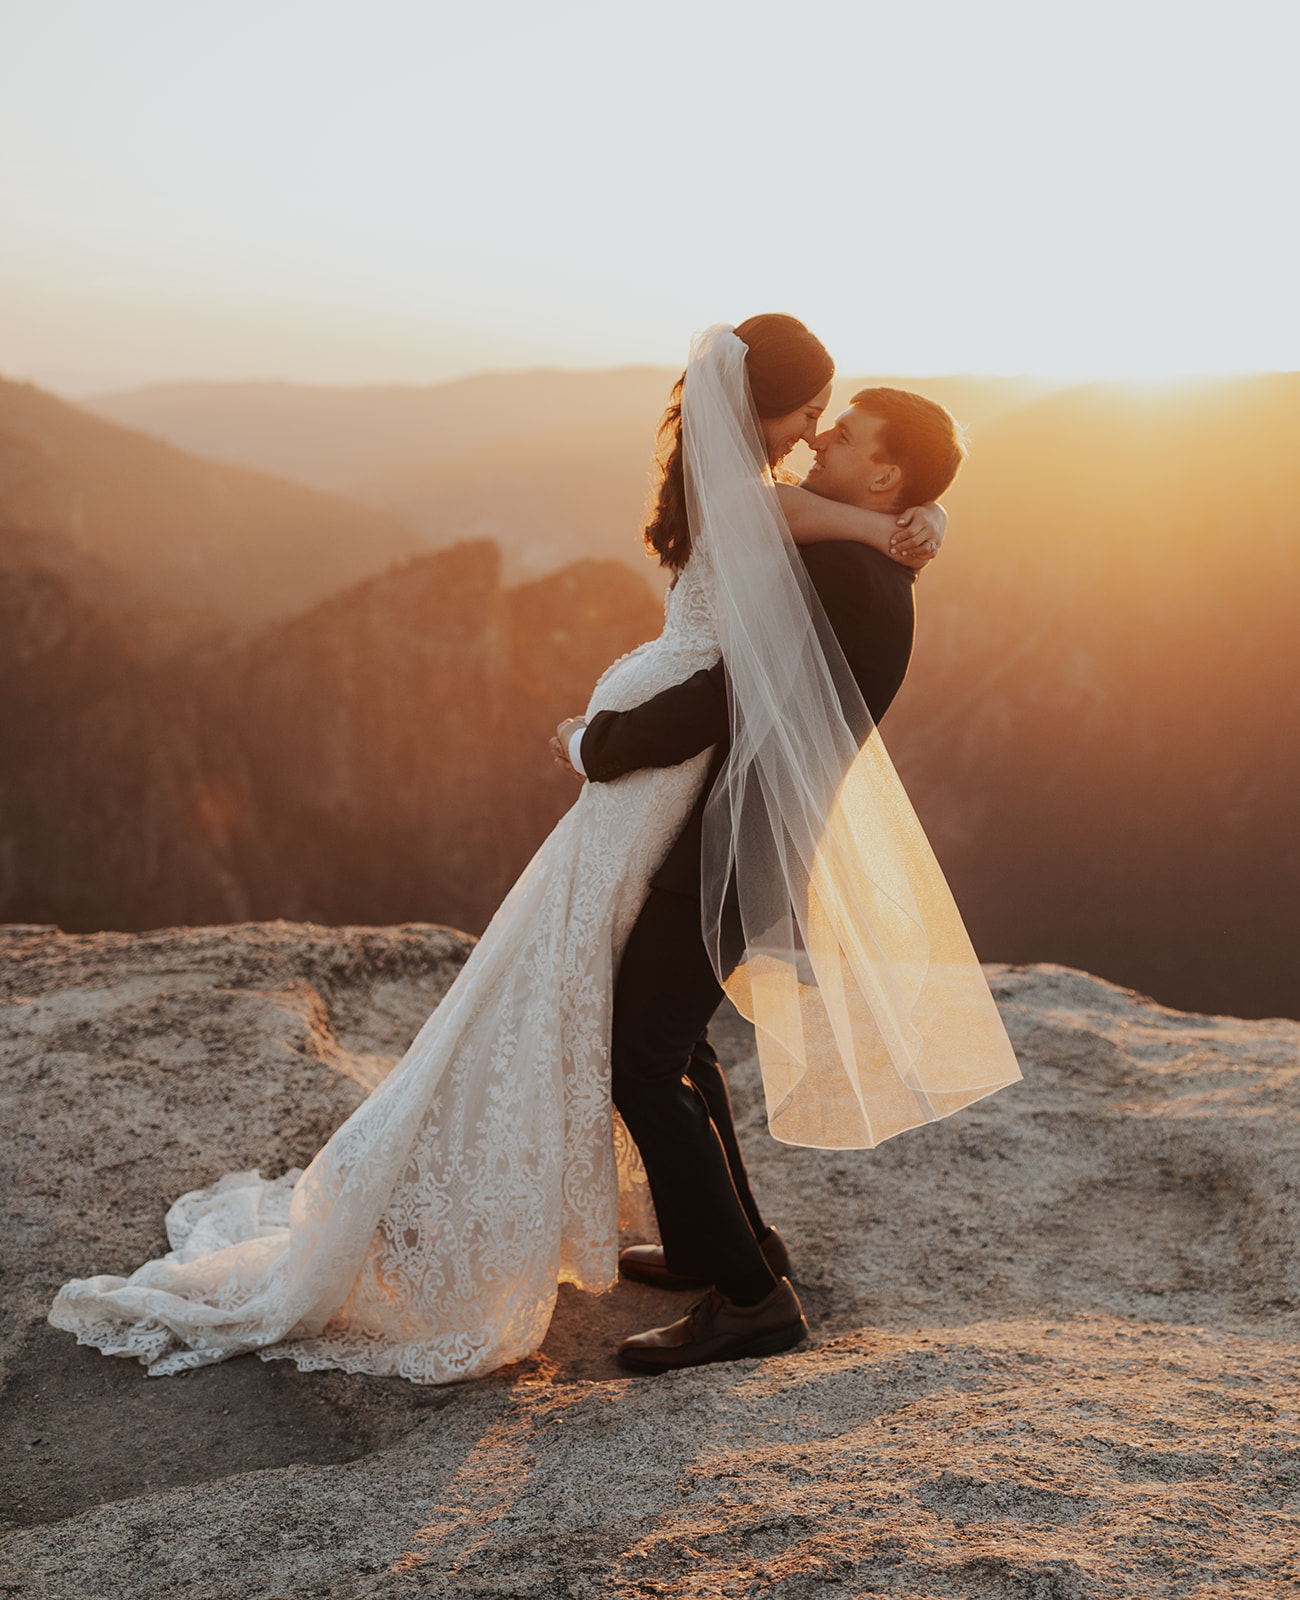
{"x": 886, "y": 478}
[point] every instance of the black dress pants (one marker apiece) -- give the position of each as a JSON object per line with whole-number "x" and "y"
{"x": 670, "y": 1092}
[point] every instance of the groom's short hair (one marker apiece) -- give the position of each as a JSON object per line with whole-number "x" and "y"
{"x": 922, "y": 439}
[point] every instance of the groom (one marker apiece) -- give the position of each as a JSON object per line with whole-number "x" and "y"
{"x": 891, "y": 449}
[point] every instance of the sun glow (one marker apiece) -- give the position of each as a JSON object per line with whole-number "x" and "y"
{"x": 404, "y": 193}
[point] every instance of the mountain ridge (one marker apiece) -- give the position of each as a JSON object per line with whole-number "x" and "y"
{"x": 1100, "y": 731}
{"x": 217, "y": 546}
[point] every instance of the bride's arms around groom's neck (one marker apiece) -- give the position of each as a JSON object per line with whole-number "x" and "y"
{"x": 912, "y": 538}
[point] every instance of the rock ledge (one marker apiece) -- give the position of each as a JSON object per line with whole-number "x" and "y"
{"x": 1054, "y": 1339}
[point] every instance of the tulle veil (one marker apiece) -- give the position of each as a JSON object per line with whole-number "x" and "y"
{"x": 871, "y": 1010}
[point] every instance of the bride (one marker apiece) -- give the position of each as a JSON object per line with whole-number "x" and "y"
{"x": 427, "y": 1238}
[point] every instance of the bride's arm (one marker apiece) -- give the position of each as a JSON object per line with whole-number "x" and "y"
{"x": 912, "y": 539}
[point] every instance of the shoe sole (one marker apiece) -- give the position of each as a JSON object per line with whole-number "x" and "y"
{"x": 766, "y": 1344}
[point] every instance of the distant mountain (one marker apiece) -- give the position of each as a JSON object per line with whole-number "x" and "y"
{"x": 545, "y": 499}
{"x": 340, "y": 438}
{"x": 1101, "y": 731}
{"x": 345, "y": 437}
{"x": 553, "y": 466}
{"x": 383, "y": 757}
{"x": 176, "y": 546}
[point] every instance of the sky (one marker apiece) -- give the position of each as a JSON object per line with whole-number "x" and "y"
{"x": 410, "y": 190}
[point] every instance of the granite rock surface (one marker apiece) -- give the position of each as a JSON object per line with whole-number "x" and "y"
{"x": 1054, "y": 1339}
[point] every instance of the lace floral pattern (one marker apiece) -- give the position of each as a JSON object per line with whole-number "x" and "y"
{"x": 427, "y": 1238}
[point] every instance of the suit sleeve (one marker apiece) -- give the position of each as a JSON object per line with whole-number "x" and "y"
{"x": 663, "y": 732}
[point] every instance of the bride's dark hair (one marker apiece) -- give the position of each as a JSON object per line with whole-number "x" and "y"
{"x": 786, "y": 366}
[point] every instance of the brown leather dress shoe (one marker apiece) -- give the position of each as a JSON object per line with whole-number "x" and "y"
{"x": 716, "y": 1330}
{"x": 645, "y": 1264}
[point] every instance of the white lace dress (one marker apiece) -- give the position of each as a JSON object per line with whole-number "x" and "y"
{"x": 428, "y": 1237}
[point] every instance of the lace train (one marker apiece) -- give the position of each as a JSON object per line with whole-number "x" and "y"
{"x": 428, "y": 1236}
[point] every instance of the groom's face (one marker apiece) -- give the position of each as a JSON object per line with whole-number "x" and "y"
{"x": 851, "y": 463}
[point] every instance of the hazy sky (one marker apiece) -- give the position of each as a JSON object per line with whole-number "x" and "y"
{"x": 409, "y": 190}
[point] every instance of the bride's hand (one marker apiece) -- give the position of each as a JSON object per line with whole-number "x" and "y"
{"x": 920, "y": 533}
{"x": 560, "y": 743}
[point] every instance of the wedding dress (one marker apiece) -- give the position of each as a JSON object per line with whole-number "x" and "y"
{"x": 427, "y": 1238}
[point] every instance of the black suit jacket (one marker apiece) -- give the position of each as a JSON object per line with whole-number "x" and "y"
{"x": 869, "y": 603}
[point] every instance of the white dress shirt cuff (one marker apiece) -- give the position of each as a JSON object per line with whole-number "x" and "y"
{"x": 575, "y": 751}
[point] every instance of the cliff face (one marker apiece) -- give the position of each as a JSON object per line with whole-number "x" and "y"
{"x": 382, "y": 757}
{"x": 1053, "y": 1352}
{"x": 100, "y": 763}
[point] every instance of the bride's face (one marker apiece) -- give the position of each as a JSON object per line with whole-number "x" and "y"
{"x": 781, "y": 434}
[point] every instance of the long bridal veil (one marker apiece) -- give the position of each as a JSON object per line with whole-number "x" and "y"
{"x": 871, "y": 1010}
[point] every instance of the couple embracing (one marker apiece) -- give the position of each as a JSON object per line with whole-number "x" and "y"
{"x": 742, "y": 831}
